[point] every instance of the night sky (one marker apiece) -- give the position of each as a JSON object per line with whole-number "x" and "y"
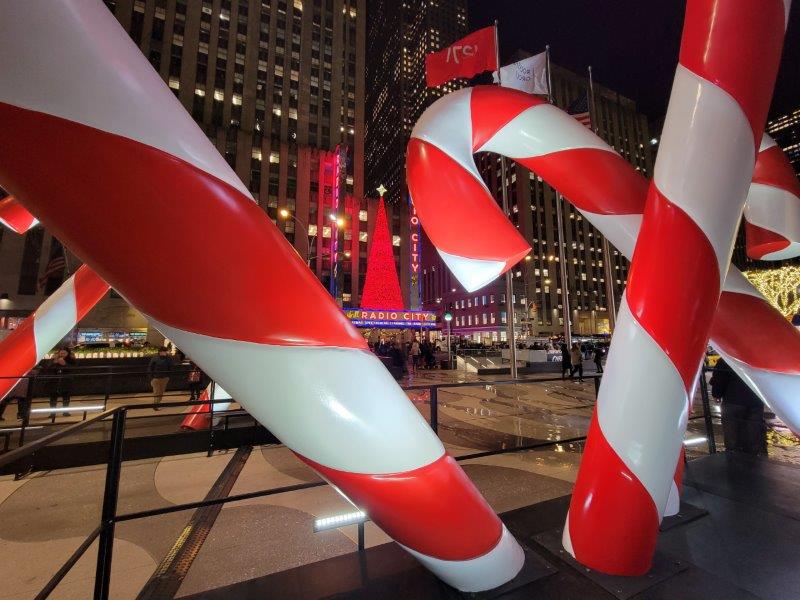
{"x": 632, "y": 45}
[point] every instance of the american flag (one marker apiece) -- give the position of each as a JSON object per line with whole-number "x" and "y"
{"x": 55, "y": 268}
{"x": 580, "y": 110}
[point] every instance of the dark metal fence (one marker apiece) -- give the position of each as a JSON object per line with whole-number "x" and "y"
{"x": 105, "y": 530}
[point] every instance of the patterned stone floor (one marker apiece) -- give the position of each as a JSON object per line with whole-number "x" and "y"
{"x": 45, "y": 516}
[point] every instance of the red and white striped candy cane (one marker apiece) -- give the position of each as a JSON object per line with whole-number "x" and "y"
{"x": 772, "y": 212}
{"x": 712, "y": 131}
{"x": 755, "y": 338}
{"x": 199, "y": 416}
{"x": 237, "y": 298}
{"x": 24, "y": 347}
{"x": 14, "y": 216}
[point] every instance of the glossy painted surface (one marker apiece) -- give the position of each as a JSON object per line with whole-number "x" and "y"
{"x": 14, "y": 216}
{"x": 23, "y": 348}
{"x": 716, "y": 113}
{"x": 285, "y": 352}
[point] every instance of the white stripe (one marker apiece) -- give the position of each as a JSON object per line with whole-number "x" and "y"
{"x": 787, "y": 5}
{"x": 775, "y": 209}
{"x": 447, "y": 124}
{"x": 486, "y": 572}
{"x": 673, "y": 502}
{"x": 54, "y": 318}
{"x": 566, "y": 539}
{"x": 472, "y": 273}
{"x": 737, "y": 283}
{"x": 95, "y": 75}
{"x": 779, "y": 391}
{"x": 540, "y": 130}
{"x": 641, "y": 407}
{"x": 620, "y": 230}
{"x": 791, "y": 251}
{"x": 338, "y": 407}
{"x": 766, "y": 143}
{"x": 706, "y": 159}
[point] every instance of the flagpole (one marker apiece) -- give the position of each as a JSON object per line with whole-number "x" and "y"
{"x": 512, "y": 343}
{"x": 611, "y": 301}
{"x": 560, "y": 223}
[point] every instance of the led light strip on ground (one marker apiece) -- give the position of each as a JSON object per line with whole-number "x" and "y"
{"x": 312, "y": 382}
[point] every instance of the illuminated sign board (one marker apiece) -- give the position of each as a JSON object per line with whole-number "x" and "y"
{"x": 399, "y": 319}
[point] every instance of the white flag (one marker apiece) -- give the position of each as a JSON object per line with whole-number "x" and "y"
{"x": 528, "y": 75}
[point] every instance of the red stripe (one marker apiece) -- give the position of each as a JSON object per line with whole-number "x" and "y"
{"x": 199, "y": 416}
{"x": 456, "y": 210}
{"x": 773, "y": 168}
{"x": 749, "y": 329}
{"x": 89, "y": 289}
{"x": 492, "y": 107}
{"x": 593, "y": 180}
{"x": 761, "y": 242}
{"x": 235, "y": 276}
{"x": 15, "y": 215}
{"x": 17, "y": 355}
{"x": 613, "y": 522}
{"x": 736, "y": 44}
{"x": 435, "y": 510}
{"x": 673, "y": 284}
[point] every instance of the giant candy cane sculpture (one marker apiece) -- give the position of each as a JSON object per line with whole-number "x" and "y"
{"x": 611, "y": 194}
{"x": 772, "y": 212}
{"x": 240, "y": 302}
{"x": 38, "y": 334}
{"x": 712, "y": 133}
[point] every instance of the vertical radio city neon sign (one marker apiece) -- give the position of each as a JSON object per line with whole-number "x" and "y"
{"x": 416, "y": 252}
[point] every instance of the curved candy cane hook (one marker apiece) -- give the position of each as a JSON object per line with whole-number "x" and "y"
{"x": 772, "y": 212}
{"x": 250, "y": 313}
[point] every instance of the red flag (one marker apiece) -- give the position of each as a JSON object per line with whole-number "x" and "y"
{"x": 469, "y": 56}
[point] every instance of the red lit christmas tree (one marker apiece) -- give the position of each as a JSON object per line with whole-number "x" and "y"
{"x": 381, "y": 286}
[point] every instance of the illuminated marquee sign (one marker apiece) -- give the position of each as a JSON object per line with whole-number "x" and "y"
{"x": 399, "y": 319}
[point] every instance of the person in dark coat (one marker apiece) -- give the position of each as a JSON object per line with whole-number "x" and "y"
{"x": 743, "y": 425}
{"x": 566, "y": 361}
{"x": 60, "y": 378}
{"x": 159, "y": 368}
{"x": 598, "y": 358}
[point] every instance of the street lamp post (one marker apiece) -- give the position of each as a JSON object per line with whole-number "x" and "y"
{"x": 285, "y": 214}
{"x": 448, "y": 317}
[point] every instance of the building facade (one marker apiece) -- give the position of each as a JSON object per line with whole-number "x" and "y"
{"x": 278, "y": 86}
{"x": 538, "y": 297}
{"x": 399, "y": 36}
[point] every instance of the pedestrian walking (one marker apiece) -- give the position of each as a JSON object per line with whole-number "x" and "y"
{"x": 195, "y": 377}
{"x": 159, "y": 368}
{"x": 566, "y": 361}
{"x": 415, "y": 355}
{"x": 59, "y": 381}
{"x": 599, "y": 353}
{"x": 576, "y": 356}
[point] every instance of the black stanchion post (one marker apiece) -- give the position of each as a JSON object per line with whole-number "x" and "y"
{"x": 434, "y": 392}
{"x": 102, "y": 578}
{"x": 597, "y": 386}
{"x": 361, "y": 536}
{"x": 26, "y": 410}
{"x": 712, "y": 442}
{"x": 211, "y": 390}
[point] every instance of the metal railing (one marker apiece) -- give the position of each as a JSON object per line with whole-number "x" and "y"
{"x": 105, "y": 530}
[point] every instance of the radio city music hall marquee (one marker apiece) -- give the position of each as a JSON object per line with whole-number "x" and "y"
{"x": 397, "y": 319}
